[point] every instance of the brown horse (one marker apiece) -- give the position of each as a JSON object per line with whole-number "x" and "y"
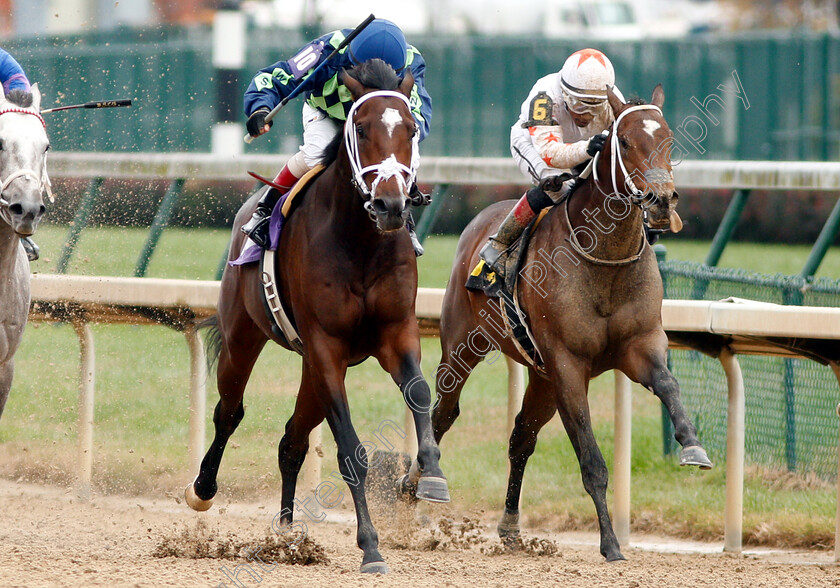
{"x": 348, "y": 273}
{"x": 592, "y": 294}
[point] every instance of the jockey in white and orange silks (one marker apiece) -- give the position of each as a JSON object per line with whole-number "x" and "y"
{"x": 559, "y": 127}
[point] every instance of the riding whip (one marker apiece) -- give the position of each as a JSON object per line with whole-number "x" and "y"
{"x": 100, "y": 104}
{"x": 303, "y": 85}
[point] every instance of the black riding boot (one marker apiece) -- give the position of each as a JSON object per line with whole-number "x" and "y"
{"x": 257, "y": 227}
{"x": 32, "y": 250}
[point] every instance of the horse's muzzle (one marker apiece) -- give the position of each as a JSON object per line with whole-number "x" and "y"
{"x": 389, "y": 213}
{"x": 24, "y": 216}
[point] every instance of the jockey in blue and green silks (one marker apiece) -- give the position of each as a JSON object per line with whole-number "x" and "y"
{"x": 13, "y": 78}
{"x": 327, "y": 102}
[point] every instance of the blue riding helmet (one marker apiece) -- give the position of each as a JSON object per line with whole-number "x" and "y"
{"x": 381, "y": 39}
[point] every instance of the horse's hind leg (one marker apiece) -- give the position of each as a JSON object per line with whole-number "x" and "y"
{"x": 234, "y": 369}
{"x": 291, "y": 452}
{"x": 538, "y": 406}
{"x": 646, "y": 364}
{"x": 573, "y": 406}
{"x": 7, "y": 371}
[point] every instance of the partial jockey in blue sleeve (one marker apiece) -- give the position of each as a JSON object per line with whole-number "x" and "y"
{"x": 13, "y": 78}
{"x": 327, "y": 103}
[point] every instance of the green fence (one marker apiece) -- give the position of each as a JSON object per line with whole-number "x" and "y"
{"x": 791, "y": 421}
{"x": 791, "y": 81}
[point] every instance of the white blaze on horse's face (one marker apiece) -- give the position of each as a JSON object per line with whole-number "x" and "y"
{"x": 651, "y": 126}
{"x": 23, "y": 179}
{"x": 391, "y": 117}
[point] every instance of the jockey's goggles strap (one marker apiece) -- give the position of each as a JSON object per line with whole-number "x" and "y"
{"x": 387, "y": 168}
{"x": 615, "y": 153}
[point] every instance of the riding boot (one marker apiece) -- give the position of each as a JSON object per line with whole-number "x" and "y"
{"x": 495, "y": 252}
{"x": 257, "y": 227}
{"x": 415, "y": 240}
{"x": 32, "y": 250}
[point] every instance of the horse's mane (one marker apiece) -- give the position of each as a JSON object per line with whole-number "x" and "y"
{"x": 374, "y": 74}
{"x": 20, "y": 98}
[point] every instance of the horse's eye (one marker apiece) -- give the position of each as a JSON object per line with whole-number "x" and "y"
{"x": 360, "y": 131}
{"x": 623, "y": 142}
{"x": 1, "y": 144}
{"x": 47, "y": 148}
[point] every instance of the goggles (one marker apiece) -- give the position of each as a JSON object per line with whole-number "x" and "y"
{"x": 583, "y": 105}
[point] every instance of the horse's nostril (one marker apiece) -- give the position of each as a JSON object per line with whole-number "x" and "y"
{"x": 16, "y": 209}
{"x": 379, "y": 206}
{"x": 41, "y": 210}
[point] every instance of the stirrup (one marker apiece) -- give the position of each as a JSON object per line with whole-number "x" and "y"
{"x": 33, "y": 252}
{"x": 493, "y": 257}
{"x": 257, "y": 229}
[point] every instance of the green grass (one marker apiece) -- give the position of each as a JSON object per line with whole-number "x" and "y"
{"x": 142, "y": 398}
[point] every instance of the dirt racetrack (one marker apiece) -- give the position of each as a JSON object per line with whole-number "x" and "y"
{"x": 51, "y": 538}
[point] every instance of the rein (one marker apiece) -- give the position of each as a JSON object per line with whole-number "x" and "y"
{"x": 46, "y": 185}
{"x": 386, "y": 169}
{"x": 636, "y": 196}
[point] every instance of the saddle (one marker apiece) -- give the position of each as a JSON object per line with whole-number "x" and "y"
{"x": 282, "y": 321}
{"x": 482, "y": 278}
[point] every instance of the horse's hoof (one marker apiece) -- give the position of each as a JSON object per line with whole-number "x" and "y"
{"x": 375, "y": 567}
{"x": 508, "y": 528}
{"x": 432, "y": 489}
{"x": 194, "y": 501}
{"x": 405, "y": 489}
{"x": 615, "y": 557}
{"x": 694, "y": 455}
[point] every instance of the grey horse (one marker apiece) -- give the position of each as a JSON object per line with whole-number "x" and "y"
{"x": 23, "y": 180}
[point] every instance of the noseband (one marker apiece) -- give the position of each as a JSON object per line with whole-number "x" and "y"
{"x": 386, "y": 169}
{"x": 46, "y": 185}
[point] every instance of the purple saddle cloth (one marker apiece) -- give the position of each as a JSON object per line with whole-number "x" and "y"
{"x": 251, "y": 252}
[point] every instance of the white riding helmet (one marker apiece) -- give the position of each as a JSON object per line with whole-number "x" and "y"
{"x": 584, "y": 79}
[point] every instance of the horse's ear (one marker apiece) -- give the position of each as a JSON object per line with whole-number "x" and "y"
{"x": 407, "y": 85}
{"x": 615, "y": 102}
{"x": 658, "y": 98}
{"x": 355, "y": 87}
{"x": 36, "y": 97}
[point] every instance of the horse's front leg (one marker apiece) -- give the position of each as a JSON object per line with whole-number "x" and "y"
{"x": 400, "y": 357}
{"x": 571, "y": 390}
{"x": 645, "y": 363}
{"x": 325, "y": 364}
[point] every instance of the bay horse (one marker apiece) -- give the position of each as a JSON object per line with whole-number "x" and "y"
{"x": 349, "y": 275}
{"x": 23, "y": 180}
{"x": 592, "y": 294}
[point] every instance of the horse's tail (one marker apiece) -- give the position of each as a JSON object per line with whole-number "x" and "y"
{"x": 212, "y": 341}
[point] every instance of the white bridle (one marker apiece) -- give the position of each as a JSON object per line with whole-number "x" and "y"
{"x": 616, "y": 161}
{"x": 45, "y": 185}
{"x": 389, "y": 167}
